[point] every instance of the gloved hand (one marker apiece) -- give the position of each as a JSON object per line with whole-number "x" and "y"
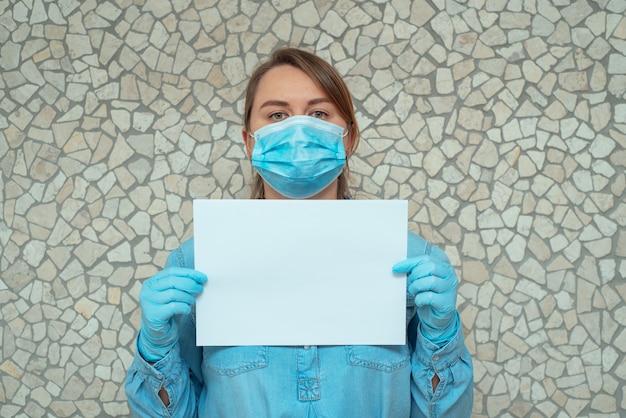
{"x": 434, "y": 283}
{"x": 168, "y": 293}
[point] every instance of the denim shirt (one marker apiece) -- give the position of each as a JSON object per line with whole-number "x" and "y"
{"x": 305, "y": 381}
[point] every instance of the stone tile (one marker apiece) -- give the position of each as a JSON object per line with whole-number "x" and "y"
{"x": 500, "y": 122}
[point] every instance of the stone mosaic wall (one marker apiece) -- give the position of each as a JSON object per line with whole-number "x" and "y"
{"x": 502, "y": 122}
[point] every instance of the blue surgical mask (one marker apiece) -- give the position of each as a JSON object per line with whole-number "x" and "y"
{"x": 300, "y": 156}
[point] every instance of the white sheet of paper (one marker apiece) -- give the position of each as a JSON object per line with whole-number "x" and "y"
{"x": 300, "y": 272}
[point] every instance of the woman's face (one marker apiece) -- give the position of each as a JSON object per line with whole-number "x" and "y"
{"x": 286, "y": 91}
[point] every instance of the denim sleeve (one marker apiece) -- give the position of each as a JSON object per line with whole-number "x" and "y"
{"x": 178, "y": 372}
{"x": 452, "y": 363}
{"x": 145, "y": 380}
{"x": 454, "y": 395}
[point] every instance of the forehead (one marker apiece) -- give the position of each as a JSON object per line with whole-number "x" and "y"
{"x": 286, "y": 81}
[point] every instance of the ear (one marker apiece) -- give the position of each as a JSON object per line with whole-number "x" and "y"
{"x": 349, "y": 142}
{"x": 352, "y": 141}
{"x": 248, "y": 142}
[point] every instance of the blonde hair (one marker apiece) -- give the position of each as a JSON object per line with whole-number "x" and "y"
{"x": 329, "y": 80}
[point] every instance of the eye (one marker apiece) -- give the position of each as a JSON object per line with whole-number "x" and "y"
{"x": 320, "y": 114}
{"x": 278, "y": 116}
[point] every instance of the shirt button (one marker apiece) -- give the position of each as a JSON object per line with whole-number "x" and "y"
{"x": 436, "y": 358}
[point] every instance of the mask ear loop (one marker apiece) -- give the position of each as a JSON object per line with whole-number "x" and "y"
{"x": 348, "y": 129}
{"x": 352, "y": 140}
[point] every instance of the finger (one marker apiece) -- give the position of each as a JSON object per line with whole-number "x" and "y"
{"x": 430, "y": 284}
{"x": 159, "y": 319}
{"x": 429, "y": 268}
{"x": 171, "y": 296}
{"x": 405, "y": 266}
{"x": 439, "y": 302}
{"x": 196, "y": 275}
{"x": 178, "y": 308}
{"x": 184, "y": 283}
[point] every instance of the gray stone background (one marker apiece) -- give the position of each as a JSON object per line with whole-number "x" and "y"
{"x": 502, "y": 122}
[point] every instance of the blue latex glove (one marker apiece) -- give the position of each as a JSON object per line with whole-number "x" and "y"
{"x": 434, "y": 284}
{"x": 166, "y": 294}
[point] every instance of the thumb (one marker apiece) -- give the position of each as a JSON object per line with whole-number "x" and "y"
{"x": 408, "y": 264}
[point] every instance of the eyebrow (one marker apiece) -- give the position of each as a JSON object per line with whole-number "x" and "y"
{"x": 282, "y": 103}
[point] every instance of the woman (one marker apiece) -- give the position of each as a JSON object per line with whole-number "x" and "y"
{"x": 299, "y": 126}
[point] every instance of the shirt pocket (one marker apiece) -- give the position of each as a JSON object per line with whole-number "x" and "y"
{"x": 231, "y": 361}
{"x": 387, "y": 358}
